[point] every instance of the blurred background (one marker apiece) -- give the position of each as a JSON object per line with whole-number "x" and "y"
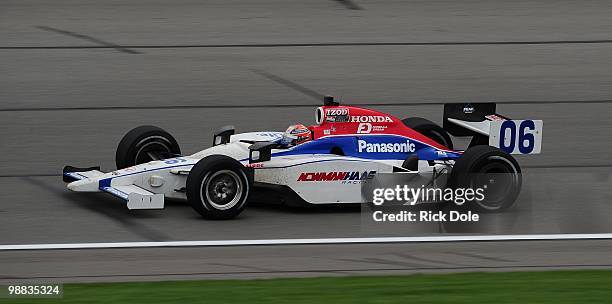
{"x": 76, "y": 75}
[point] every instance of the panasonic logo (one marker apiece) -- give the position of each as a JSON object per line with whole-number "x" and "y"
{"x": 370, "y": 118}
{"x": 406, "y": 147}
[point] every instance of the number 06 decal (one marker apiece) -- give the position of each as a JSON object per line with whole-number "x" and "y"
{"x": 517, "y": 136}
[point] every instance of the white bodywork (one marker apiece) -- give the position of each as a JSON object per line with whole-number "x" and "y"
{"x": 146, "y": 185}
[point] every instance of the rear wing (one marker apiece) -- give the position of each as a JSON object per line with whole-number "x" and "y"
{"x": 486, "y": 127}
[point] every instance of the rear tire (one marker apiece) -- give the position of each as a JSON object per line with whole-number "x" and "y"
{"x": 411, "y": 163}
{"x": 218, "y": 187}
{"x": 485, "y": 165}
{"x": 429, "y": 129}
{"x": 144, "y": 144}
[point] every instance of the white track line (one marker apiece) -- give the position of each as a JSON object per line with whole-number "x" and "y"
{"x": 372, "y": 240}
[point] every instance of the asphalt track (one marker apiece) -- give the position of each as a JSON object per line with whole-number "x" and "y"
{"x": 77, "y": 74}
{"x": 292, "y": 261}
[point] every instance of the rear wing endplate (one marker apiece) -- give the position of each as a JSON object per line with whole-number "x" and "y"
{"x": 486, "y": 127}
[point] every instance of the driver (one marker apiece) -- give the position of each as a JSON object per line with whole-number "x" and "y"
{"x": 295, "y": 135}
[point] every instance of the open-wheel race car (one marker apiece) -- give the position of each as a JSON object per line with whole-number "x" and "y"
{"x": 326, "y": 163}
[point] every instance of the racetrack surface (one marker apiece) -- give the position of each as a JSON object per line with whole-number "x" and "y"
{"x": 76, "y": 75}
{"x": 302, "y": 260}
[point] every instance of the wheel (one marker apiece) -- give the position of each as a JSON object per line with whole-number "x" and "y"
{"x": 492, "y": 169}
{"x": 411, "y": 163}
{"x": 429, "y": 129}
{"x": 144, "y": 144}
{"x": 218, "y": 187}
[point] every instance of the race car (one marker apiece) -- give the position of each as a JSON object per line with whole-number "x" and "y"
{"x": 325, "y": 163}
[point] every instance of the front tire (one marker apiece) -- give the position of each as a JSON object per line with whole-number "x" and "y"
{"x": 491, "y": 168}
{"x": 144, "y": 144}
{"x": 218, "y": 187}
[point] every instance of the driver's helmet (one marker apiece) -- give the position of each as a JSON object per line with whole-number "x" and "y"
{"x": 295, "y": 135}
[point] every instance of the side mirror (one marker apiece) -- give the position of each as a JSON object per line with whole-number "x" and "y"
{"x": 222, "y": 136}
{"x": 260, "y": 151}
